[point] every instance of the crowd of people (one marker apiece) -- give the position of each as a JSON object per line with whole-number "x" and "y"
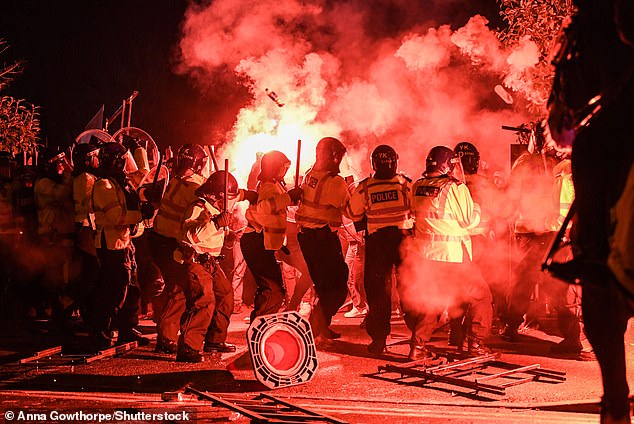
{"x": 93, "y": 242}
{"x": 80, "y": 236}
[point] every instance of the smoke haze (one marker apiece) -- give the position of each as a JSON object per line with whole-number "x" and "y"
{"x": 398, "y": 73}
{"x": 368, "y": 72}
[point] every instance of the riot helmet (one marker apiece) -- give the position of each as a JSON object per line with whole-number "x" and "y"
{"x": 213, "y": 190}
{"x": 384, "y": 161}
{"x": 112, "y": 160}
{"x": 329, "y": 153}
{"x": 85, "y": 158}
{"x": 52, "y": 164}
{"x": 273, "y": 166}
{"x": 469, "y": 156}
{"x": 441, "y": 160}
{"x": 191, "y": 157}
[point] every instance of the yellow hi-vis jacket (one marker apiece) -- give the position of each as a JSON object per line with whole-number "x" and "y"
{"x": 112, "y": 217}
{"x": 55, "y": 211}
{"x": 82, "y": 190}
{"x": 324, "y": 198}
{"x": 385, "y": 203}
{"x": 199, "y": 231}
{"x": 564, "y": 191}
{"x": 444, "y": 212}
{"x": 269, "y": 214}
{"x": 180, "y": 193}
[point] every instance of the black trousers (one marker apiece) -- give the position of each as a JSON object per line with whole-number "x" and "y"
{"x": 322, "y": 252}
{"x": 223, "y": 292}
{"x": 115, "y": 301}
{"x": 269, "y": 293}
{"x": 383, "y": 258}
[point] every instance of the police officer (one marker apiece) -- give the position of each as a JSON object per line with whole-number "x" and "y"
{"x": 191, "y": 162}
{"x": 55, "y": 229}
{"x": 325, "y": 195}
{"x": 383, "y": 202}
{"x": 444, "y": 211}
{"x": 115, "y": 302}
{"x": 266, "y": 232}
{"x": 531, "y": 192}
{"x": 199, "y": 233}
{"x": 85, "y": 167}
{"x": 207, "y": 296}
{"x": 486, "y": 237}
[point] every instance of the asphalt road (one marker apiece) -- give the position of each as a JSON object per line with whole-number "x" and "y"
{"x": 347, "y": 385}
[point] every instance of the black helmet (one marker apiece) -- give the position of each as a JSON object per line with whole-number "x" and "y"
{"x": 51, "y": 162}
{"x": 442, "y": 159}
{"x": 273, "y": 166}
{"x": 82, "y": 153}
{"x": 191, "y": 156}
{"x": 469, "y": 156}
{"x": 112, "y": 159}
{"x": 330, "y": 152}
{"x": 214, "y": 187}
{"x": 384, "y": 161}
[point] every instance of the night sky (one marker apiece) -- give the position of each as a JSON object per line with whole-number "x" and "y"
{"x": 80, "y": 55}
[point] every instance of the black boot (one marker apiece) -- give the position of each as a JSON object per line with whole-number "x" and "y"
{"x": 477, "y": 347}
{"x": 165, "y": 346}
{"x": 187, "y": 354}
{"x": 419, "y": 352}
{"x": 221, "y": 347}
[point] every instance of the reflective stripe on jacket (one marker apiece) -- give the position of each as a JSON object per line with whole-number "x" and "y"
{"x": 180, "y": 193}
{"x": 269, "y": 214}
{"x": 385, "y": 203}
{"x": 444, "y": 212}
{"x": 112, "y": 217}
{"x": 199, "y": 231}
{"x": 564, "y": 191}
{"x": 323, "y": 200}
{"x": 82, "y": 191}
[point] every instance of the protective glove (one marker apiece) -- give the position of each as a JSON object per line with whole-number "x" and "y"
{"x": 131, "y": 143}
{"x": 285, "y": 250}
{"x": 132, "y": 201}
{"x": 295, "y": 194}
{"x": 147, "y": 210}
{"x": 251, "y": 196}
{"x": 222, "y": 219}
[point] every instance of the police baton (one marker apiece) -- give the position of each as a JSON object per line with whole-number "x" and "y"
{"x": 299, "y": 153}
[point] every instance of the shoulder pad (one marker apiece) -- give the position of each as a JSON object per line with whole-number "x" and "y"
{"x": 405, "y": 177}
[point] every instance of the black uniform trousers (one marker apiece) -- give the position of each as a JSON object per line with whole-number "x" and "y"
{"x": 322, "y": 252}
{"x": 115, "y": 301}
{"x": 383, "y": 257}
{"x": 269, "y": 293}
{"x": 191, "y": 305}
